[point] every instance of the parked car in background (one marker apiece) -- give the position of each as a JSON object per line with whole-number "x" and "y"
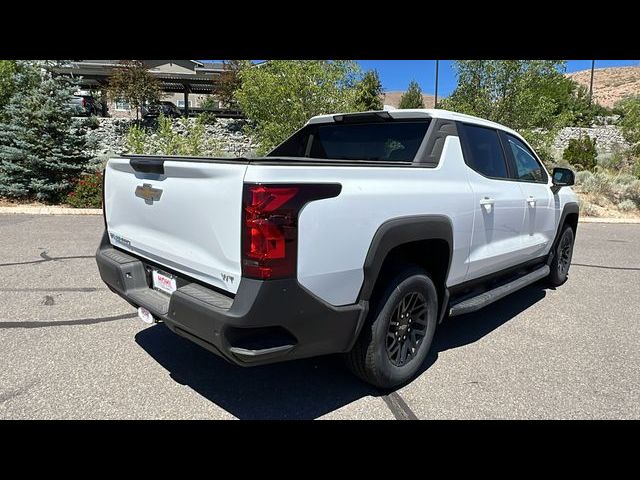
{"x": 168, "y": 109}
{"x": 86, "y": 105}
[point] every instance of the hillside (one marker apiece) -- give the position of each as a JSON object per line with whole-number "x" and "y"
{"x": 393, "y": 99}
{"x": 610, "y": 84}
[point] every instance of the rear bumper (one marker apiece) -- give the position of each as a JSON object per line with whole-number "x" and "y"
{"x": 266, "y": 321}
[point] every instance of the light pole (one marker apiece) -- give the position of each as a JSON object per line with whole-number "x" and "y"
{"x": 435, "y": 103}
{"x": 593, "y": 63}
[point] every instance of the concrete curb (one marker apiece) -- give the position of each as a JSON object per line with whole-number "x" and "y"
{"x": 608, "y": 220}
{"x": 29, "y": 210}
{"x": 53, "y": 210}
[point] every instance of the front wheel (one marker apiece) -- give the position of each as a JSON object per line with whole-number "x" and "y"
{"x": 396, "y": 338}
{"x": 562, "y": 258}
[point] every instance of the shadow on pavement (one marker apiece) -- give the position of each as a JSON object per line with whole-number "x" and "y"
{"x": 304, "y": 389}
{"x": 459, "y": 331}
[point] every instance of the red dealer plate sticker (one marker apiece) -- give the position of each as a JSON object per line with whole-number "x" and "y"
{"x": 163, "y": 282}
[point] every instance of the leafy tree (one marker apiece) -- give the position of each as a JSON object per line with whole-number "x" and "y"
{"x": 629, "y": 109}
{"x": 525, "y": 95}
{"x": 369, "y": 92}
{"x": 229, "y": 81}
{"x": 279, "y": 96}
{"x": 8, "y": 71}
{"x": 42, "y": 147}
{"x": 132, "y": 82}
{"x": 581, "y": 152}
{"x": 412, "y": 98}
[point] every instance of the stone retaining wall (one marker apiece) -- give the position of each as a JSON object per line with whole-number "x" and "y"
{"x": 111, "y": 135}
{"x": 607, "y": 137}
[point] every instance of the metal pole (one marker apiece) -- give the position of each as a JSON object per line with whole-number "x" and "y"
{"x": 593, "y": 63}
{"x": 435, "y": 103}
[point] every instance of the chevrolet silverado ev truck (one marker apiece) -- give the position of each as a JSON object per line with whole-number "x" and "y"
{"x": 357, "y": 235}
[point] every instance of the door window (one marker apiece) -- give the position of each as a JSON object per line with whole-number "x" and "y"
{"x": 487, "y": 156}
{"x": 528, "y": 168}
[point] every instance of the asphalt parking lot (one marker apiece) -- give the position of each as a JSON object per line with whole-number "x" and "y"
{"x": 71, "y": 349}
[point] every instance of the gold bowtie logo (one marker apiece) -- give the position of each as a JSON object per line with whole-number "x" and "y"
{"x": 148, "y": 193}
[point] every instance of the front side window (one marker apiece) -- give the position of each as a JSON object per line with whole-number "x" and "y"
{"x": 487, "y": 156}
{"x": 378, "y": 141}
{"x": 527, "y": 166}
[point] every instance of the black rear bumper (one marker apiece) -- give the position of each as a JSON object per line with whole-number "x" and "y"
{"x": 267, "y": 321}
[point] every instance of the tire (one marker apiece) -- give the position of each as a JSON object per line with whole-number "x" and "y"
{"x": 377, "y": 356}
{"x": 562, "y": 258}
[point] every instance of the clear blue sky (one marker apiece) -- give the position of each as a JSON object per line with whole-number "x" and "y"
{"x": 396, "y": 74}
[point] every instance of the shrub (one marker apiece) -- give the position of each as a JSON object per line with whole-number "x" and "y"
{"x": 635, "y": 169}
{"x": 627, "y": 206}
{"x": 168, "y": 140}
{"x": 208, "y": 118}
{"x": 582, "y": 176}
{"x": 588, "y": 209}
{"x": 630, "y": 118}
{"x": 620, "y": 159}
{"x": 87, "y": 192}
{"x": 136, "y": 139}
{"x": 581, "y": 152}
{"x": 631, "y": 191}
{"x": 189, "y": 138}
{"x": 599, "y": 183}
{"x": 624, "y": 179}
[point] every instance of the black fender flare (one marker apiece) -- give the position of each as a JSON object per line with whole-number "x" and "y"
{"x": 569, "y": 208}
{"x": 399, "y": 231}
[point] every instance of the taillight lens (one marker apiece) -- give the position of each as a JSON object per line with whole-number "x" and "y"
{"x": 84, "y": 102}
{"x": 270, "y": 226}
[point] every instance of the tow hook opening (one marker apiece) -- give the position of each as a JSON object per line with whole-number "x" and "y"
{"x": 146, "y": 316}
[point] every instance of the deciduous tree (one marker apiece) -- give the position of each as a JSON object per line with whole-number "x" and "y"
{"x": 132, "y": 82}
{"x": 279, "y": 96}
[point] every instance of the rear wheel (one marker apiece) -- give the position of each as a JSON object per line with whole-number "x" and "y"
{"x": 395, "y": 340}
{"x": 562, "y": 258}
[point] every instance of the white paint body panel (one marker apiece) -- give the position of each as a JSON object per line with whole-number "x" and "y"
{"x": 335, "y": 233}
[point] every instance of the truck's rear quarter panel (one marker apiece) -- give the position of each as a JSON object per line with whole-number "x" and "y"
{"x": 335, "y": 234}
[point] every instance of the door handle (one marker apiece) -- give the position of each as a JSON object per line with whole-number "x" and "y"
{"x": 487, "y": 203}
{"x": 531, "y": 201}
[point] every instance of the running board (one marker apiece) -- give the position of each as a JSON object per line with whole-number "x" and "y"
{"x": 484, "y": 299}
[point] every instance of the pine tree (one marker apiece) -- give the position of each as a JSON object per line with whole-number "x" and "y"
{"x": 368, "y": 92}
{"x": 412, "y": 98}
{"x": 42, "y": 147}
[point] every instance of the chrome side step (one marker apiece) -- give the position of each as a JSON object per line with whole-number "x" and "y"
{"x": 484, "y": 299}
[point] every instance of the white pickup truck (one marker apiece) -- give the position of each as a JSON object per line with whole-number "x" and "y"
{"x": 357, "y": 235}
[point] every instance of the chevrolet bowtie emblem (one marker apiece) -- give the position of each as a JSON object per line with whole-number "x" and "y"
{"x": 149, "y": 193}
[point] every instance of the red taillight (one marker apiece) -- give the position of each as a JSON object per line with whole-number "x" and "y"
{"x": 84, "y": 102}
{"x": 270, "y": 226}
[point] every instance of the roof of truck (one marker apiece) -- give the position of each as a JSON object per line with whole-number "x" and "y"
{"x": 421, "y": 113}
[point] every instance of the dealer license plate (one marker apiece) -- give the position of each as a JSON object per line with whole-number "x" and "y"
{"x": 164, "y": 282}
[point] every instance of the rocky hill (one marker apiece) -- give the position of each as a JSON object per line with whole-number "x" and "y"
{"x": 610, "y": 84}
{"x": 393, "y": 99}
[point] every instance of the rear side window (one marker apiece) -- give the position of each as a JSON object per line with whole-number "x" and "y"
{"x": 527, "y": 166}
{"x": 378, "y": 141}
{"x": 487, "y": 156}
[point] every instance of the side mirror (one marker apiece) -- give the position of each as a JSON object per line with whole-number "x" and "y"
{"x": 563, "y": 177}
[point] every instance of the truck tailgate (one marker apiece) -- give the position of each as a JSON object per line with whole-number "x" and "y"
{"x": 187, "y": 218}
